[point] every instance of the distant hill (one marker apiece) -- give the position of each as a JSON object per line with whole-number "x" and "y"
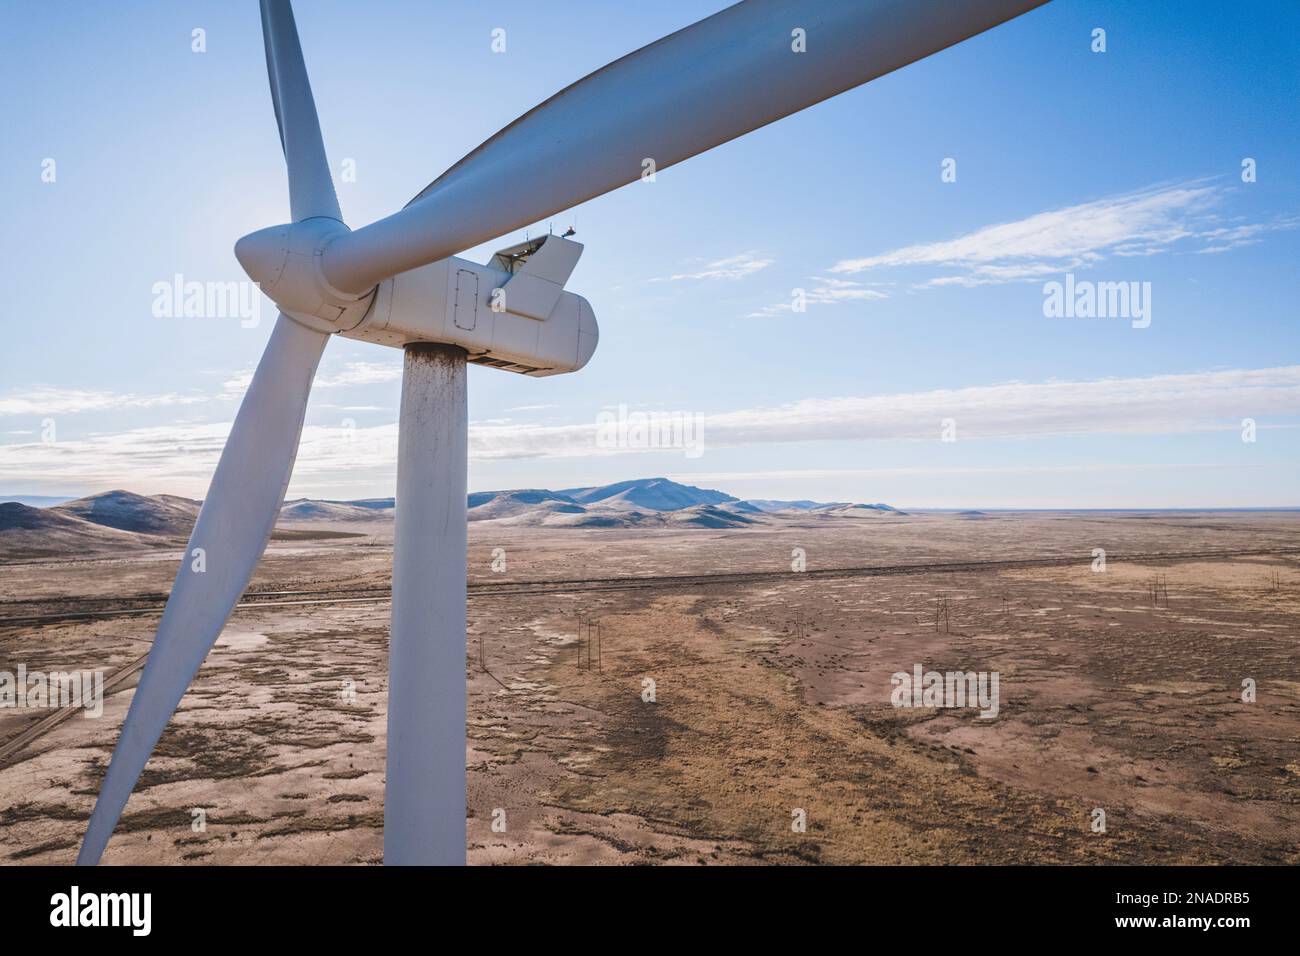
{"x": 27, "y": 532}
{"x": 767, "y": 504}
{"x": 654, "y": 494}
{"x": 641, "y": 503}
{"x": 491, "y": 505}
{"x": 697, "y": 516}
{"x": 613, "y": 505}
{"x": 858, "y": 511}
{"x": 125, "y": 510}
{"x": 305, "y": 509}
{"x": 374, "y": 504}
{"x": 843, "y": 508}
{"x": 36, "y": 501}
{"x": 708, "y": 516}
{"x": 124, "y": 519}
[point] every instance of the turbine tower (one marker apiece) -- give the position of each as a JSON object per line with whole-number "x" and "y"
{"x": 397, "y": 282}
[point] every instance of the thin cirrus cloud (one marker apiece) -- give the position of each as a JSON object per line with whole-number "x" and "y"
{"x": 361, "y": 373}
{"x": 341, "y": 460}
{"x": 352, "y": 373}
{"x": 44, "y": 400}
{"x": 50, "y": 400}
{"x": 733, "y": 267}
{"x": 1141, "y": 223}
{"x": 945, "y": 471}
{"x": 824, "y": 291}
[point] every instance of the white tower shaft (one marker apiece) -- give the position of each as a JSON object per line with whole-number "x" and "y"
{"x": 424, "y": 795}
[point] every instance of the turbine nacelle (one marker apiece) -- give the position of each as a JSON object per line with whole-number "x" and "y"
{"x": 285, "y": 262}
{"x": 511, "y": 314}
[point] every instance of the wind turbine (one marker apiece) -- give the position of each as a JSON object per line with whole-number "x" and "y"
{"x": 396, "y": 282}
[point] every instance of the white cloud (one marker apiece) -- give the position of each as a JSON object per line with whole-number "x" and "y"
{"x": 234, "y": 387}
{"x": 1141, "y": 223}
{"x": 1157, "y": 405}
{"x": 180, "y": 458}
{"x": 1234, "y": 237}
{"x": 352, "y": 373}
{"x": 824, "y": 292}
{"x": 820, "y": 474}
{"x": 48, "y": 400}
{"x": 733, "y": 267}
{"x": 361, "y": 373}
{"x": 177, "y": 455}
{"x": 43, "y": 400}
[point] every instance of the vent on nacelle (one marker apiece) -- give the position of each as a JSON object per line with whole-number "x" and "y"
{"x": 500, "y": 363}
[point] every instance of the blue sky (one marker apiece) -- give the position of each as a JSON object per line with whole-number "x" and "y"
{"x": 925, "y": 298}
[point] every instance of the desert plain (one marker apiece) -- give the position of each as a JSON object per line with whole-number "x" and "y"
{"x": 725, "y": 708}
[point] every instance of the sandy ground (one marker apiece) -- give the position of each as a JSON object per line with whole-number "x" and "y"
{"x": 771, "y": 702}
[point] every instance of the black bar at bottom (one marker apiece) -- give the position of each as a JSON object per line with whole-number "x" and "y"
{"x": 336, "y": 906}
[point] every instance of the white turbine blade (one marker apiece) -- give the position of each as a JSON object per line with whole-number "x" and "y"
{"x": 688, "y": 92}
{"x": 311, "y": 190}
{"x": 233, "y": 527}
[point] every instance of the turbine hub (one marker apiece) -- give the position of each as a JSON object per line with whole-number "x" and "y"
{"x": 285, "y": 262}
